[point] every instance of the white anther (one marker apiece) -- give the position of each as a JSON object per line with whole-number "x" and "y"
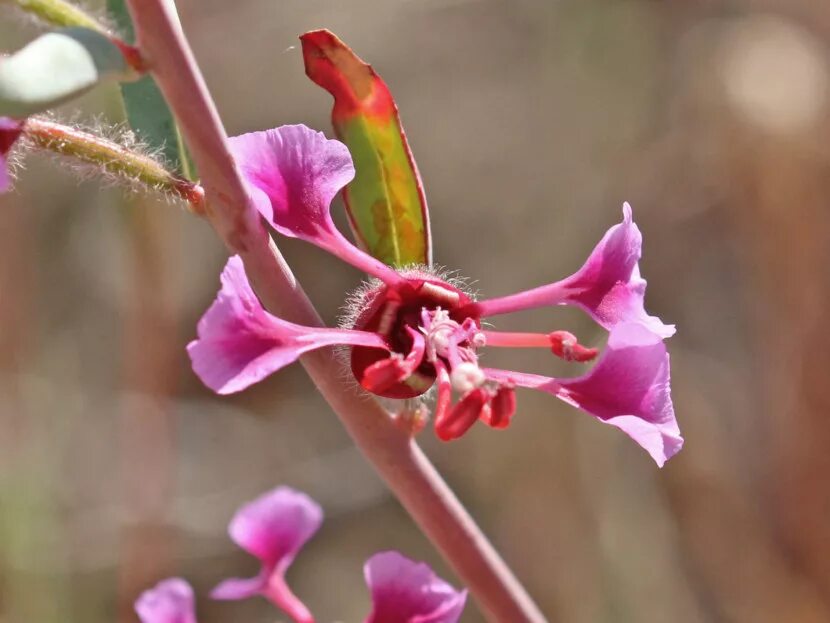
{"x": 466, "y": 376}
{"x": 479, "y": 340}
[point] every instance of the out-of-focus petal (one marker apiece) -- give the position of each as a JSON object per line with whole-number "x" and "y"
{"x": 274, "y": 526}
{"x": 241, "y": 588}
{"x": 170, "y": 601}
{"x": 628, "y": 388}
{"x": 405, "y": 591}
{"x": 293, "y": 174}
{"x": 239, "y": 343}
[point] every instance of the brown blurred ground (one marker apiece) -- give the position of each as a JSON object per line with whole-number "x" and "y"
{"x": 531, "y": 122}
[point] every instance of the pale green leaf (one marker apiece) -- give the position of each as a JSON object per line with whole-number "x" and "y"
{"x": 57, "y": 67}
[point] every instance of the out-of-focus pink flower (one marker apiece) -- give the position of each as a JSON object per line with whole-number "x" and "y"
{"x": 169, "y": 601}
{"x": 412, "y": 329}
{"x": 405, "y": 591}
{"x": 10, "y": 131}
{"x": 273, "y": 527}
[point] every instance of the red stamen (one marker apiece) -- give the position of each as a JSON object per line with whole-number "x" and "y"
{"x": 386, "y": 373}
{"x": 463, "y": 415}
{"x": 442, "y": 403}
{"x": 383, "y": 374}
{"x": 502, "y": 408}
{"x": 565, "y": 345}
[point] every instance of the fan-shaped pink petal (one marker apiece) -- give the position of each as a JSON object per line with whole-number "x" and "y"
{"x": 405, "y": 591}
{"x": 170, "y": 601}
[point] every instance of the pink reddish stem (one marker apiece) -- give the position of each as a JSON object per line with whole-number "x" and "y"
{"x": 392, "y": 452}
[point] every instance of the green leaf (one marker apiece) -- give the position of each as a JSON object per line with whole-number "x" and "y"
{"x": 57, "y": 67}
{"x": 146, "y": 109}
{"x": 385, "y": 202}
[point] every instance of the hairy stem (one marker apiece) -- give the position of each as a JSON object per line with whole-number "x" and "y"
{"x": 112, "y": 158}
{"x": 61, "y": 13}
{"x": 392, "y": 452}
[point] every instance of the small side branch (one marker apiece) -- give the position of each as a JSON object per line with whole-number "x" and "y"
{"x": 113, "y": 158}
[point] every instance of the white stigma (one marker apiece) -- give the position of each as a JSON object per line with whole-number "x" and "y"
{"x": 466, "y": 376}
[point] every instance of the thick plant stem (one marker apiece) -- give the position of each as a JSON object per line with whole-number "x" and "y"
{"x": 392, "y": 452}
{"x": 112, "y": 158}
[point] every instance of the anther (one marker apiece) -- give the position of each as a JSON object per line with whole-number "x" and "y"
{"x": 502, "y": 408}
{"x": 462, "y": 416}
{"x": 565, "y": 345}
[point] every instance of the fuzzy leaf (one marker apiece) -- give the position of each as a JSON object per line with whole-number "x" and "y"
{"x": 57, "y": 67}
{"x": 147, "y": 111}
{"x": 385, "y": 202}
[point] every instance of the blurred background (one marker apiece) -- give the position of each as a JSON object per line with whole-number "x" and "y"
{"x": 531, "y": 122}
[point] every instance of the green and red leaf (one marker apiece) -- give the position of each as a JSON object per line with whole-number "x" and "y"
{"x": 385, "y": 202}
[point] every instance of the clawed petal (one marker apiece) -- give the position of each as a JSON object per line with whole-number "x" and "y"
{"x": 628, "y": 388}
{"x": 276, "y": 525}
{"x": 273, "y": 527}
{"x": 293, "y": 174}
{"x": 404, "y": 591}
{"x": 241, "y": 588}
{"x": 240, "y": 343}
{"x": 608, "y": 286}
{"x": 299, "y": 172}
{"x": 170, "y": 601}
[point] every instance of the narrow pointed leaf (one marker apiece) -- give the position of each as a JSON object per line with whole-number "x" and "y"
{"x": 57, "y": 67}
{"x": 146, "y": 109}
{"x": 385, "y": 203}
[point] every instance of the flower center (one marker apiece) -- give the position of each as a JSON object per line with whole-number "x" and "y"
{"x": 425, "y": 327}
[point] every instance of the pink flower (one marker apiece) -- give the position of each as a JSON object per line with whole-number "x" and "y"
{"x": 274, "y": 527}
{"x": 412, "y": 329}
{"x": 404, "y": 591}
{"x": 10, "y": 131}
{"x": 169, "y": 601}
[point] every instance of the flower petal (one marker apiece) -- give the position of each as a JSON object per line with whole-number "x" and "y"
{"x": 294, "y": 173}
{"x": 170, "y": 601}
{"x": 10, "y": 131}
{"x": 608, "y": 286}
{"x": 405, "y": 591}
{"x": 241, "y": 588}
{"x": 274, "y": 526}
{"x": 628, "y": 388}
{"x": 240, "y": 343}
